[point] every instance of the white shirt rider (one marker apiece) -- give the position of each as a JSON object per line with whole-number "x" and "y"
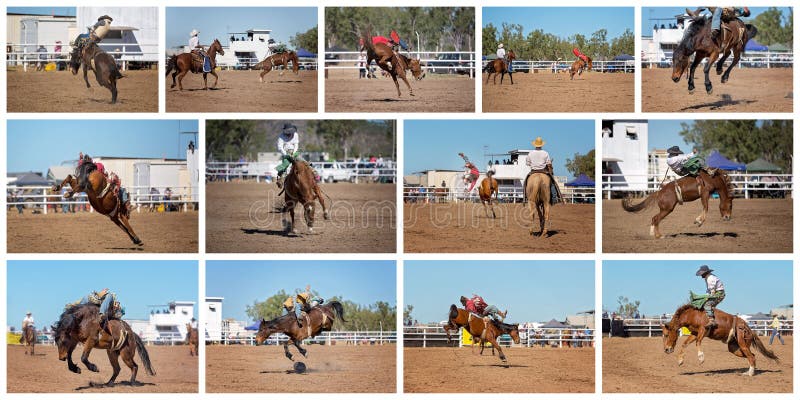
{"x": 713, "y": 284}
{"x": 501, "y": 52}
{"x": 676, "y": 162}
{"x": 194, "y": 41}
{"x": 28, "y": 321}
{"x": 538, "y": 159}
{"x": 288, "y": 144}
{"x": 194, "y": 324}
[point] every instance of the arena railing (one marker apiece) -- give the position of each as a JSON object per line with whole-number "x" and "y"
{"x": 628, "y": 66}
{"x": 466, "y": 64}
{"x": 33, "y": 196}
{"x": 748, "y": 185}
{"x": 412, "y": 194}
{"x": 435, "y": 336}
{"x": 652, "y": 326}
{"x": 263, "y": 171}
{"x": 123, "y": 56}
{"x": 307, "y": 63}
{"x": 751, "y": 59}
{"x": 244, "y": 337}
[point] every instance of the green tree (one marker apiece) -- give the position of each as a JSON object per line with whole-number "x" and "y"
{"x": 773, "y": 27}
{"x": 306, "y": 40}
{"x": 582, "y": 164}
{"x": 743, "y": 140}
{"x": 627, "y": 308}
{"x": 229, "y": 139}
{"x": 372, "y": 317}
{"x": 407, "y": 312}
{"x": 624, "y": 44}
{"x": 489, "y": 39}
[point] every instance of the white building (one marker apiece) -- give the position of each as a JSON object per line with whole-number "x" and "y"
{"x": 212, "y": 318}
{"x": 659, "y": 47}
{"x": 625, "y": 153}
{"x": 28, "y": 32}
{"x": 134, "y": 30}
{"x": 167, "y": 324}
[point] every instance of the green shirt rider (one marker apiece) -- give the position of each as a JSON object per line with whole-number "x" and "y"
{"x": 288, "y": 145}
{"x": 715, "y": 290}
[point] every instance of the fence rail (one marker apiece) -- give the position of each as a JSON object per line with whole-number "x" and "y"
{"x": 140, "y": 196}
{"x": 561, "y": 65}
{"x": 435, "y": 336}
{"x": 170, "y": 339}
{"x": 751, "y": 59}
{"x": 651, "y": 327}
{"x": 747, "y": 185}
{"x": 265, "y": 171}
{"x": 434, "y": 194}
{"x": 244, "y": 337}
{"x": 427, "y": 58}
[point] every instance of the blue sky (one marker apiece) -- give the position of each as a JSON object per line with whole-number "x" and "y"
{"x": 563, "y": 21}
{"x": 532, "y": 291}
{"x": 43, "y": 10}
{"x": 44, "y": 287}
{"x": 435, "y": 144}
{"x": 243, "y": 282}
{"x": 662, "y": 286}
{"x": 219, "y": 22}
{"x": 648, "y": 13}
{"x": 663, "y": 134}
{"x": 35, "y": 145}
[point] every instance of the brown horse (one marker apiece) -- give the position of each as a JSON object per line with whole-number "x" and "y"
{"x": 301, "y": 187}
{"x": 730, "y": 329}
{"x": 500, "y": 66}
{"x": 183, "y": 63}
{"x": 191, "y": 339}
{"x": 488, "y": 187}
{"x": 80, "y": 323}
{"x": 579, "y": 66}
{"x": 461, "y": 318}
{"x": 392, "y": 62}
{"x": 101, "y": 194}
{"x": 278, "y": 59}
{"x": 315, "y": 321}
{"x": 537, "y": 191}
{"x": 104, "y": 66}
{"x": 697, "y": 40}
{"x": 28, "y": 338}
{"x": 687, "y": 188}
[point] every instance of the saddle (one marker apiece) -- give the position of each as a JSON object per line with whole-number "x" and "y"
{"x": 555, "y": 192}
{"x": 200, "y": 61}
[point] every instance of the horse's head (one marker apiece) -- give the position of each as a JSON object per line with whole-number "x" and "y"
{"x": 217, "y": 46}
{"x": 680, "y": 62}
{"x": 511, "y": 55}
{"x": 514, "y": 333}
{"x": 62, "y": 339}
{"x": 265, "y": 329}
{"x": 74, "y": 61}
{"x": 681, "y": 54}
{"x": 670, "y": 337}
{"x": 416, "y": 68}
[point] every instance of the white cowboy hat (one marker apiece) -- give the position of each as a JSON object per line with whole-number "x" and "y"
{"x": 538, "y": 142}
{"x": 500, "y": 46}
{"x": 28, "y": 313}
{"x": 194, "y": 32}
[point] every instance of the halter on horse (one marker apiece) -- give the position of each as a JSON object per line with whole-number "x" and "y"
{"x": 317, "y": 320}
{"x": 183, "y": 63}
{"x": 104, "y": 66}
{"x": 278, "y": 59}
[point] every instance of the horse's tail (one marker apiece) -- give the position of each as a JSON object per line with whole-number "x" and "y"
{"x": 172, "y": 63}
{"x": 338, "y": 310}
{"x": 143, "y": 354}
{"x": 647, "y": 202}
{"x": 295, "y": 62}
{"x": 763, "y": 349}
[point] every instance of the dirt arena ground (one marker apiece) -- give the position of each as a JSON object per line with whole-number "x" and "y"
{"x": 640, "y": 365}
{"x": 448, "y": 370}
{"x": 60, "y": 91}
{"x": 545, "y": 92}
{"x": 175, "y": 232}
{"x": 344, "y": 92}
{"x": 240, "y": 91}
{"x": 241, "y": 219}
{"x": 747, "y": 90}
{"x": 464, "y": 228}
{"x": 176, "y": 372}
{"x": 330, "y": 369}
{"x": 756, "y": 226}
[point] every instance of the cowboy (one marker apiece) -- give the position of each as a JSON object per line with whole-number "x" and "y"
{"x": 471, "y": 174}
{"x": 306, "y": 300}
{"x": 395, "y": 41}
{"x": 501, "y": 55}
{"x": 715, "y": 290}
{"x": 95, "y": 33}
{"x": 288, "y": 145}
{"x": 113, "y": 178}
{"x": 718, "y": 14}
{"x": 539, "y": 161}
{"x": 110, "y": 307}
{"x": 686, "y": 164}
{"x": 196, "y": 47}
{"x": 478, "y": 306}
{"x": 27, "y": 321}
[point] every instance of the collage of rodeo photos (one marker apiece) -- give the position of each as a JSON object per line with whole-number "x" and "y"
{"x": 300, "y": 226}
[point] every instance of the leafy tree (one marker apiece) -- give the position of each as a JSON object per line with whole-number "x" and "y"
{"x": 743, "y": 140}
{"x": 407, "y": 312}
{"x": 489, "y": 39}
{"x": 624, "y": 44}
{"x": 306, "y": 40}
{"x": 773, "y": 27}
{"x": 627, "y": 308}
{"x": 582, "y": 164}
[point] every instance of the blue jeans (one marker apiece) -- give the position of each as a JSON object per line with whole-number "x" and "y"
{"x": 403, "y": 45}
{"x": 716, "y": 19}
{"x": 777, "y": 333}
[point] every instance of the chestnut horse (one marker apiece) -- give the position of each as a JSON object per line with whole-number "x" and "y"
{"x": 191, "y": 339}
{"x": 461, "y": 318}
{"x": 687, "y": 188}
{"x": 183, "y": 63}
{"x": 488, "y": 187}
{"x": 104, "y": 66}
{"x": 697, "y": 40}
{"x": 315, "y": 321}
{"x": 278, "y": 59}
{"x": 730, "y": 329}
{"x": 500, "y": 66}
{"x": 384, "y": 55}
{"x": 80, "y": 323}
{"x": 101, "y": 194}
{"x": 28, "y": 338}
{"x": 537, "y": 191}
{"x": 301, "y": 187}
{"x": 578, "y": 66}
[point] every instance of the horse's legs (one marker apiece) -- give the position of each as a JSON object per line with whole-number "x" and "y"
{"x": 122, "y": 223}
{"x": 216, "y": 79}
{"x": 547, "y": 221}
{"x": 286, "y": 350}
{"x": 736, "y": 55}
{"x": 291, "y": 213}
{"x": 174, "y": 74}
{"x": 261, "y": 75}
{"x": 664, "y": 211}
{"x": 721, "y": 62}
{"x": 205, "y": 80}
{"x": 70, "y": 364}
{"x": 396, "y": 84}
{"x": 180, "y": 79}
{"x": 308, "y": 215}
{"x": 699, "y": 342}
{"x": 692, "y": 68}
{"x": 113, "y": 358}
{"x": 127, "y": 353}
{"x": 321, "y": 198}
{"x": 488, "y": 75}
{"x": 689, "y": 339}
{"x": 113, "y": 89}
{"x": 704, "y": 195}
{"x": 511, "y": 77}
{"x": 85, "y": 75}
{"x": 711, "y": 59}
{"x": 300, "y": 349}
{"x": 410, "y": 90}
{"x": 87, "y": 349}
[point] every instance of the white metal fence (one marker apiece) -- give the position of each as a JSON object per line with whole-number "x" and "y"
{"x": 651, "y": 327}
{"x": 435, "y": 336}
{"x": 121, "y": 52}
{"x": 305, "y": 63}
{"x": 434, "y": 61}
{"x": 265, "y": 171}
{"x": 751, "y": 59}
{"x": 42, "y": 197}
{"x": 745, "y": 184}
{"x": 245, "y": 337}
{"x": 161, "y": 338}
{"x": 434, "y": 194}
{"x": 552, "y": 66}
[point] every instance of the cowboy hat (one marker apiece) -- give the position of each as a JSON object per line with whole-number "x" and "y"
{"x": 674, "y": 150}
{"x": 289, "y": 128}
{"x": 28, "y": 313}
{"x": 538, "y": 142}
{"x": 104, "y": 17}
{"x": 703, "y": 270}
{"x": 500, "y": 46}
{"x": 194, "y": 32}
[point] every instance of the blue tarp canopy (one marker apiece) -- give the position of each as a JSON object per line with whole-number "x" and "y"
{"x": 717, "y": 160}
{"x": 253, "y": 327}
{"x": 305, "y": 53}
{"x": 624, "y": 57}
{"x": 581, "y": 180}
{"x": 753, "y": 45}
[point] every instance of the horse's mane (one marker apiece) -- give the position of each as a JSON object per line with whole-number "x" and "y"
{"x": 504, "y": 326}
{"x": 72, "y": 316}
{"x": 687, "y": 42}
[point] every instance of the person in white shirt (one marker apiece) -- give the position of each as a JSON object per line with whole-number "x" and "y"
{"x": 715, "y": 290}
{"x": 684, "y": 164}
{"x": 28, "y": 321}
{"x": 501, "y": 55}
{"x": 194, "y": 45}
{"x": 288, "y": 145}
{"x": 539, "y": 161}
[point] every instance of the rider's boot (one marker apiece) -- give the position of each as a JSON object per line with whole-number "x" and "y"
{"x": 711, "y": 323}
{"x": 502, "y": 314}
{"x": 279, "y": 181}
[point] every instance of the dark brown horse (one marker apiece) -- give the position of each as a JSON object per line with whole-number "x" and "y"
{"x": 301, "y": 188}
{"x": 315, "y": 321}
{"x": 183, "y": 63}
{"x": 537, "y": 191}
{"x": 102, "y": 196}
{"x": 191, "y": 339}
{"x": 80, "y": 323}
{"x": 488, "y": 187}
{"x": 578, "y": 66}
{"x": 392, "y": 62}
{"x": 500, "y": 66}
{"x": 104, "y": 66}
{"x": 730, "y": 330}
{"x": 278, "y": 59}
{"x": 687, "y": 188}
{"x": 697, "y": 40}
{"x": 28, "y": 338}
{"x": 481, "y": 332}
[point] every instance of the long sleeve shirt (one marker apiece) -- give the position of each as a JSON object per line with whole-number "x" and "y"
{"x": 288, "y": 144}
{"x": 713, "y": 284}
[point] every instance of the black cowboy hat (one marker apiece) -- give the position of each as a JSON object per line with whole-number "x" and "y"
{"x": 674, "y": 150}
{"x": 703, "y": 270}
{"x": 105, "y": 17}
{"x": 289, "y": 128}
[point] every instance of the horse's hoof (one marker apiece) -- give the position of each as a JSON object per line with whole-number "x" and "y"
{"x": 709, "y": 91}
{"x": 109, "y": 384}
{"x": 93, "y": 368}
{"x": 326, "y": 215}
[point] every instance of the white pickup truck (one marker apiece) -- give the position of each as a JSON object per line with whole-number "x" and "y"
{"x": 333, "y": 172}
